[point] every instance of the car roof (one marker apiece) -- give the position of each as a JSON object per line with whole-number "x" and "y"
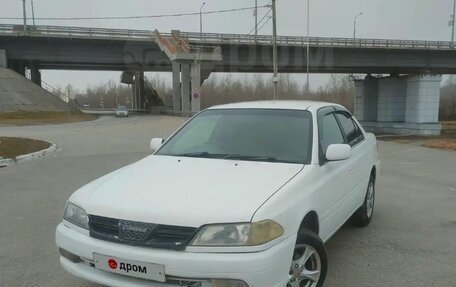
{"x": 285, "y": 105}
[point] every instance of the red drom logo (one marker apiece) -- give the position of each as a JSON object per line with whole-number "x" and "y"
{"x": 112, "y": 263}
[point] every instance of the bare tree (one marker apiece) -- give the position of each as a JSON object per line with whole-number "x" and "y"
{"x": 224, "y": 89}
{"x": 448, "y": 100}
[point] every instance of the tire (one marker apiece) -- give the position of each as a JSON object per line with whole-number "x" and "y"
{"x": 310, "y": 261}
{"x": 363, "y": 216}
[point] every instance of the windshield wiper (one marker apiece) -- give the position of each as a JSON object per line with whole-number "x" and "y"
{"x": 251, "y": 157}
{"x": 203, "y": 154}
{"x": 233, "y": 156}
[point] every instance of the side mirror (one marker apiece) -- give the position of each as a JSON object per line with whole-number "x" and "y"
{"x": 337, "y": 152}
{"x": 156, "y": 143}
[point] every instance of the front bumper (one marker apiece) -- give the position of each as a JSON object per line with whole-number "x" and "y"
{"x": 257, "y": 269}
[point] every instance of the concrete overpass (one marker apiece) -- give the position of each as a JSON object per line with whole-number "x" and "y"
{"x": 76, "y": 48}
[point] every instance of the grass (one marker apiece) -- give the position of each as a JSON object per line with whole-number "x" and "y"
{"x": 446, "y": 141}
{"x": 11, "y": 147}
{"x": 446, "y": 144}
{"x": 450, "y": 123}
{"x": 23, "y": 118}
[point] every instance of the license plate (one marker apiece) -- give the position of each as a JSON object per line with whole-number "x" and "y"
{"x": 131, "y": 268}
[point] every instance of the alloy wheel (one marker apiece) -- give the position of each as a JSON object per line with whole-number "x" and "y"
{"x": 370, "y": 200}
{"x": 305, "y": 268}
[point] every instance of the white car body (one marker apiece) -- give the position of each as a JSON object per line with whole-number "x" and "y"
{"x": 180, "y": 192}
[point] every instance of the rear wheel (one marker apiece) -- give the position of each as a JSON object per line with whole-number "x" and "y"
{"x": 363, "y": 215}
{"x": 309, "y": 264}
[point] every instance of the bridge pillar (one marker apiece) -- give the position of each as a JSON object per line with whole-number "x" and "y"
{"x": 139, "y": 94}
{"x": 392, "y": 93}
{"x": 187, "y": 81}
{"x": 423, "y": 99}
{"x": 142, "y": 90}
{"x": 176, "y": 87}
{"x": 190, "y": 59}
{"x": 196, "y": 87}
{"x": 3, "y": 61}
{"x": 18, "y": 66}
{"x": 186, "y": 89}
{"x": 366, "y": 99}
{"x": 35, "y": 74}
{"x": 399, "y": 105}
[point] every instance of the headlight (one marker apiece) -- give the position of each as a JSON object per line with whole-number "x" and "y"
{"x": 264, "y": 231}
{"x": 243, "y": 234}
{"x": 76, "y": 215}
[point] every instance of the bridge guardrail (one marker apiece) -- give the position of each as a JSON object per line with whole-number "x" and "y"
{"x": 315, "y": 41}
{"x": 220, "y": 39}
{"x": 59, "y": 31}
{"x": 55, "y": 92}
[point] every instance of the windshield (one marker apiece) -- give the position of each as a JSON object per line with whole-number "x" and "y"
{"x": 245, "y": 134}
{"x": 121, "y": 108}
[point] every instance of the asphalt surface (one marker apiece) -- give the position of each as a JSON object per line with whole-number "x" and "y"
{"x": 411, "y": 241}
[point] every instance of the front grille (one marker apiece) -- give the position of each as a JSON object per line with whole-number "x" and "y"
{"x": 140, "y": 233}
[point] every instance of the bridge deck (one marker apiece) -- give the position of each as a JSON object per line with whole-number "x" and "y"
{"x": 218, "y": 38}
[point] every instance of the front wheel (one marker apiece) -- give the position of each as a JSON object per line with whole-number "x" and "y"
{"x": 310, "y": 263}
{"x": 363, "y": 216}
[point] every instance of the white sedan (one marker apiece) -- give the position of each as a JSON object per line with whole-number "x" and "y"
{"x": 243, "y": 195}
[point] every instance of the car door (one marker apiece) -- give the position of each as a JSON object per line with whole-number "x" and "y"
{"x": 359, "y": 168}
{"x": 332, "y": 176}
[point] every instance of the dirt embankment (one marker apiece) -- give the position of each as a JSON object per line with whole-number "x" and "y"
{"x": 22, "y": 118}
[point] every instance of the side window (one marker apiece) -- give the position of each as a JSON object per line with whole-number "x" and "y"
{"x": 351, "y": 130}
{"x": 329, "y": 133}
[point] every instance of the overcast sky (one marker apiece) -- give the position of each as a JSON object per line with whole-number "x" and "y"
{"x": 392, "y": 19}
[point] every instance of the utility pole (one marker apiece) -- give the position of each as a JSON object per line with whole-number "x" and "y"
{"x": 25, "y": 15}
{"x": 33, "y": 13}
{"x": 275, "y": 78}
{"x": 201, "y": 21}
{"x": 453, "y": 22}
{"x": 256, "y": 21}
{"x": 308, "y": 49}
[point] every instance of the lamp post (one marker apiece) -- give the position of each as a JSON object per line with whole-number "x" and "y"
{"x": 201, "y": 20}
{"x": 275, "y": 78}
{"x": 33, "y": 13}
{"x": 256, "y": 20}
{"x": 452, "y": 24}
{"x": 354, "y": 25}
{"x": 308, "y": 49}
{"x": 25, "y": 15}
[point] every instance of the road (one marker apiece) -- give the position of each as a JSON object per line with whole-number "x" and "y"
{"x": 411, "y": 241}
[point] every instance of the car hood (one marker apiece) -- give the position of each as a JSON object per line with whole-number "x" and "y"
{"x": 185, "y": 191}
